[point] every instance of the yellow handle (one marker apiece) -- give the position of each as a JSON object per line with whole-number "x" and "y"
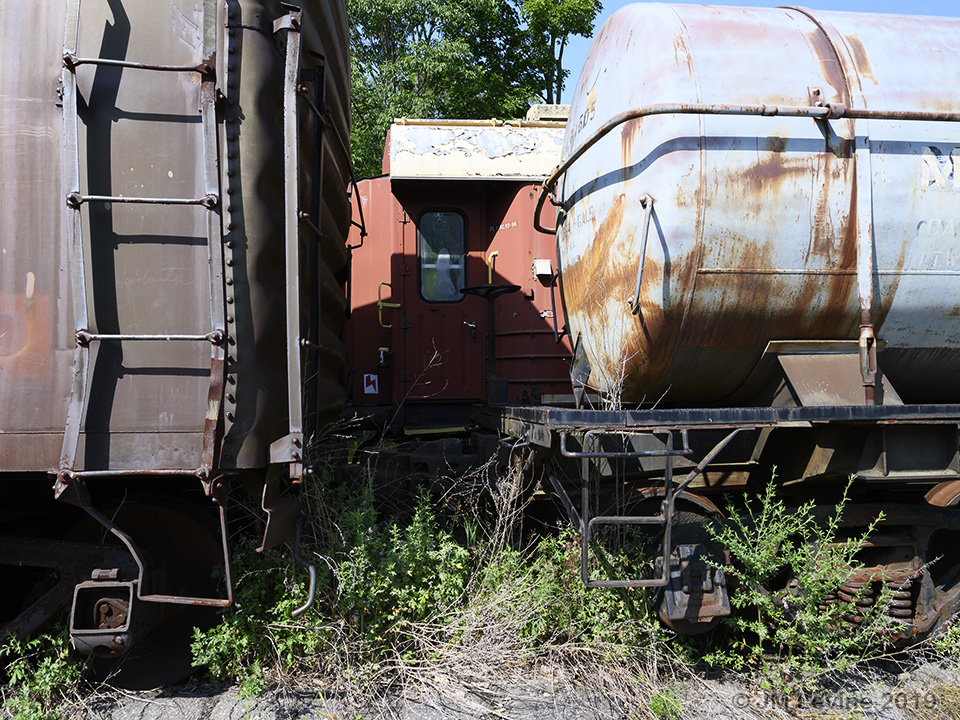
{"x": 490, "y": 262}
{"x": 381, "y": 304}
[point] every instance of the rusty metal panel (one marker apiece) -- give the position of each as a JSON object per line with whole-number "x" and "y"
{"x": 36, "y": 344}
{"x": 141, "y": 135}
{"x": 462, "y": 149}
{"x": 762, "y": 228}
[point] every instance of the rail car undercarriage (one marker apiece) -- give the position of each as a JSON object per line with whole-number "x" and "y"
{"x": 903, "y": 461}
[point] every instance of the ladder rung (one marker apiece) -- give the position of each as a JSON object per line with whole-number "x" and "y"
{"x": 215, "y": 337}
{"x": 74, "y": 474}
{"x": 628, "y": 520}
{"x": 71, "y": 61}
{"x": 75, "y": 200}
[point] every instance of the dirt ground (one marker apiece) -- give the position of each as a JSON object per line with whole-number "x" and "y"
{"x": 880, "y": 692}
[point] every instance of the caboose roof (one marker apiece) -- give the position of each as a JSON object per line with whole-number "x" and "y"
{"x": 473, "y": 149}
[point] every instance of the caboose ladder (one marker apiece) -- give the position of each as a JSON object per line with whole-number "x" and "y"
{"x": 79, "y": 262}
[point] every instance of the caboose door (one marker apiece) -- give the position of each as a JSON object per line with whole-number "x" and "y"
{"x": 442, "y": 328}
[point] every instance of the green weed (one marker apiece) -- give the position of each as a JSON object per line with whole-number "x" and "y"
{"x": 788, "y": 622}
{"x": 664, "y": 704}
{"x": 41, "y": 675}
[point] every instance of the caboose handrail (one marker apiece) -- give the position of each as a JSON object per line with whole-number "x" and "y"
{"x": 828, "y": 111}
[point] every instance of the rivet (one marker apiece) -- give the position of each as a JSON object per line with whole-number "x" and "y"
{"x": 229, "y": 262}
{"x": 229, "y": 415}
{"x": 229, "y": 243}
{"x": 230, "y": 67}
{"x": 231, "y": 155}
{"x": 231, "y": 84}
{"x": 229, "y": 281}
{"x": 231, "y": 32}
{"x": 229, "y": 226}
{"x": 229, "y": 318}
{"x": 231, "y": 398}
{"x": 229, "y": 301}
{"x": 232, "y": 379}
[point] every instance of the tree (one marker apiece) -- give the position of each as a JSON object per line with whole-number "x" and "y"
{"x": 453, "y": 59}
{"x": 433, "y": 58}
{"x": 552, "y": 22}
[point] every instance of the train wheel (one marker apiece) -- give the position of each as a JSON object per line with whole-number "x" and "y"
{"x": 180, "y": 540}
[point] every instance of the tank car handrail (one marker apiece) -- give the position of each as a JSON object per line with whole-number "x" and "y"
{"x": 646, "y": 202}
{"x": 828, "y": 111}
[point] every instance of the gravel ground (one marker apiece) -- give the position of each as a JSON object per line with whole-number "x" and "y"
{"x": 927, "y": 692}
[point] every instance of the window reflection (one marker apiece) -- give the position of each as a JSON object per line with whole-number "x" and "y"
{"x": 442, "y": 249}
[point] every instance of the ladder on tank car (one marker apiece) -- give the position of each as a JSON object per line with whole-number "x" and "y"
{"x": 69, "y": 485}
{"x": 592, "y": 451}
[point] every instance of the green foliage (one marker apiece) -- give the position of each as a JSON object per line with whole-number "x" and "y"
{"x": 449, "y": 59}
{"x": 788, "y": 621}
{"x": 377, "y": 576}
{"x": 390, "y": 575}
{"x": 664, "y": 704}
{"x": 40, "y": 674}
{"x": 551, "y": 23}
{"x": 402, "y": 591}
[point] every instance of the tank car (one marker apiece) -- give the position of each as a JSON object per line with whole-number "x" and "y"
{"x": 171, "y": 295}
{"x": 756, "y": 226}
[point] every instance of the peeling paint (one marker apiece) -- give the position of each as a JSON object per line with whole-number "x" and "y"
{"x": 472, "y": 151}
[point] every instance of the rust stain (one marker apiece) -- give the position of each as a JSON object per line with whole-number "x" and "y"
{"x": 681, "y": 55}
{"x": 26, "y": 346}
{"x": 628, "y": 135}
{"x": 637, "y": 350}
{"x": 860, "y": 58}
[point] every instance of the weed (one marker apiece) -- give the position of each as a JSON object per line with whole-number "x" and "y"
{"x": 664, "y": 704}
{"x": 401, "y": 603}
{"x": 800, "y": 628}
{"x": 41, "y": 675}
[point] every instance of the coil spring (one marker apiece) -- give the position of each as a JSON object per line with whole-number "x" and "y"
{"x": 898, "y": 596}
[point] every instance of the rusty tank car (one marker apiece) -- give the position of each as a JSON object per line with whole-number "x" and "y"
{"x": 175, "y": 205}
{"x": 757, "y": 234}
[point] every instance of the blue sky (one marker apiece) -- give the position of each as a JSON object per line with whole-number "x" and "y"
{"x": 576, "y": 51}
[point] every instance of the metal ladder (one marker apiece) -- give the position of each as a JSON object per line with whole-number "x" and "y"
{"x": 83, "y": 298}
{"x": 70, "y": 485}
{"x": 592, "y": 451}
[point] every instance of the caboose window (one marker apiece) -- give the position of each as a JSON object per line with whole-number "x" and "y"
{"x": 442, "y": 244}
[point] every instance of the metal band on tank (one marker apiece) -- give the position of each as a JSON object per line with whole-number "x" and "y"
{"x": 863, "y": 202}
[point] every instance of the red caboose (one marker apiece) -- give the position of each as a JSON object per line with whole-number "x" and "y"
{"x": 452, "y": 291}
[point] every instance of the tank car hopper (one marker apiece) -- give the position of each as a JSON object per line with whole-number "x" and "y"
{"x": 171, "y": 294}
{"x": 758, "y": 228}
